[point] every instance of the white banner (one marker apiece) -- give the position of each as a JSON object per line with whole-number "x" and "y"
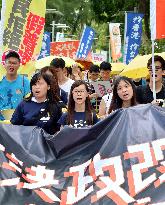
{"x": 115, "y": 41}
{"x": 100, "y": 57}
{"x": 102, "y": 87}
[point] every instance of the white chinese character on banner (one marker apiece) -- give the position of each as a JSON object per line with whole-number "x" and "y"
{"x": 45, "y": 36}
{"x": 135, "y": 35}
{"x": 111, "y": 183}
{"x": 132, "y": 54}
{"x": 43, "y": 45}
{"x": 79, "y": 190}
{"x": 136, "y": 27}
{"x": 40, "y": 177}
{"x": 138, "y": 19}
{"x": 134, "y": 46}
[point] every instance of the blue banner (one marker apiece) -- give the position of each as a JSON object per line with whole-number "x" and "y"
{"x": 85, "y": 42}
{"x": 133, "y": 33}
{"x": 45, "y": 49}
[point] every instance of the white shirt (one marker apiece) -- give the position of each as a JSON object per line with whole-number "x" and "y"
{"x": 67, "y": 86}
{"x": 107, "y": 99}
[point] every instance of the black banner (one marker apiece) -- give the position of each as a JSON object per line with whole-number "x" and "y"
{"x": 119, "y": 161}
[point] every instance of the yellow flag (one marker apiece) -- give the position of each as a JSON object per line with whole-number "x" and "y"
{"x": 23, "y": 28}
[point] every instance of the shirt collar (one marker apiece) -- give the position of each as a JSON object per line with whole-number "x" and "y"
{"x": 34, "y": 100}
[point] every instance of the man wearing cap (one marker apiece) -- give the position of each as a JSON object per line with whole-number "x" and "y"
{"x": 145, "y": 93}
{"x": 64, "y": 82}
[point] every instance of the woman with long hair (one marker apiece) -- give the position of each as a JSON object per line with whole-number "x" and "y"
{"x": 49, "y": 70}
{"x": 42, "y": 107}
{"x": 80, "y": 113}
{"x": 124, "y": 94}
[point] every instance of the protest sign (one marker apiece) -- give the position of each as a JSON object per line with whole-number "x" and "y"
{"x": 102, "y": 87}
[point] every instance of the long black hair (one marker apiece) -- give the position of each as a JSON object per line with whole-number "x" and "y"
{"x": 117, "y": 102}
{"x": 52, "y": 95}
{"x": 71, "y": 105}
{"x": 52, "y": 70}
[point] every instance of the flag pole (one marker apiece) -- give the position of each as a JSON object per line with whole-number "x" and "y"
{"x": 153, "y": 72}
{"x": 125, "y": 33}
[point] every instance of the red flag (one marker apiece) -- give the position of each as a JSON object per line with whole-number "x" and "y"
{"x": 157, "y": 19}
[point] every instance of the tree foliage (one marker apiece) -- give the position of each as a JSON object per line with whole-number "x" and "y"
{"x": 76, "y": 13}
{"x": 114, "y": 10}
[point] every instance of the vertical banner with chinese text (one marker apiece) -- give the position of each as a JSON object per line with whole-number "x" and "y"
{"x": 2, "y": 69}
{"x": 85, "y": 42}
{"x": 115, "y": 41}
{"x": 45, "y": 48}
{"x": 23, "y": 27}
{"x": 133, "y": 33}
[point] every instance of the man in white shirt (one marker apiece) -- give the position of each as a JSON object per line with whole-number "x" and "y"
{"x": 64, "y": 82}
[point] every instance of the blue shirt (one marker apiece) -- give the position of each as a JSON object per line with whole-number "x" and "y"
{"x": 30, "y": 113}
{"x": 78, "y": 119}
{"x": 12, "y": 92}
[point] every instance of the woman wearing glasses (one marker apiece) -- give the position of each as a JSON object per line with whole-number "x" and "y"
{"x": 80, "y": 113}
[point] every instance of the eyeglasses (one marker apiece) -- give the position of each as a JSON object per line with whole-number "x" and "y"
{"x": 94, "y": 74}
{"x": 12, "y": 63}
{"x": 157, "y": 68}
{"x": 78, "y": 91}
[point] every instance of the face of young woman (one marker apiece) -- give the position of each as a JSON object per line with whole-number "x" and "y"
{"x": 40, "y": 90}
{"x": 125, "y": 91}
{"x": 80, "y": 94}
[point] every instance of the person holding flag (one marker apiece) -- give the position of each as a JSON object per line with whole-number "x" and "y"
{"x": 144, "y": 93}
{"x": 157, "y": 18}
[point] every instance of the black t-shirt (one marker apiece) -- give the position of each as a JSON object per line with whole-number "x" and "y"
{"x": 145, "y": 95}
{"x": 79, "y": 119}
{"x": 137, "y": 83}
{"x": 30, "y": 113}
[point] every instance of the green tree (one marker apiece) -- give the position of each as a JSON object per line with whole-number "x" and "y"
{"x": 114, "y": 11}
{"x": 76, "y": 13}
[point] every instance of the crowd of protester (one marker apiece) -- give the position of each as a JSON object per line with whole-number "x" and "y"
{"x": 56, "y": 96}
